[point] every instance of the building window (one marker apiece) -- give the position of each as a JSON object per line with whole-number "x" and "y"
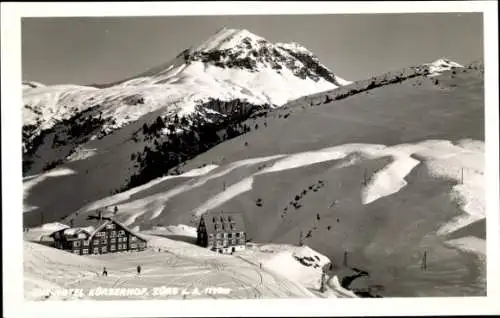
{"x": 110, "y": 226}
{"x": 96, "y": 242}
{"x": 96, "y": 250}
{"x": 76, "y": 244}
{"x": 85, "y": 243}
{"x": 225, "y": 242}
{"x": 113, "y": 233}
{"x": 104, "y": 249}
{"x": 103, "y": 241}
{"x": 133, "y": 245}
{"x": 76, "y": 251}
{"x": 233, "y": 241}
{"x": 237, "y": 234}
{"x": 133, "y": 238}
{"x": 125, "y": 239}
{"x": 142, "y": 245}
{"x": 217, "y": 235}
{"x": 112, "y": 248}
{"x": 121, "y": 232}
{"x": 112, "y": 240}
{"x": 85, "y": 251}
{"x": 211, "y": 236}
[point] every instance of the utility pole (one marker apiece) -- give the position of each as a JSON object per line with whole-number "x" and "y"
{"x": 423, "y": 266}
{"x": 300, "y": 239}
{"x": 323, "y": 281}
{"x": 345, "y": 258}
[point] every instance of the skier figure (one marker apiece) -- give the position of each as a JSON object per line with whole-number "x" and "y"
{"x": 104, "y": 272}
{"x": 138, "y": 269}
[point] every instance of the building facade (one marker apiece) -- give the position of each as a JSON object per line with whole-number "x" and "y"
{"x": 105, "y": 236}
{"x": 222, "y": 232}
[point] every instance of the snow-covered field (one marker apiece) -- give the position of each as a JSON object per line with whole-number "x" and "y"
{"x": 168, "y": 265}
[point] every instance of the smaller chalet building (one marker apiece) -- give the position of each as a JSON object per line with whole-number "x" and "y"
{"x": 102, "y": 235}
{"x": 221, "y": 232}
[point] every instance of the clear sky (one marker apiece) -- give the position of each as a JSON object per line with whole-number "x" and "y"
{"x": 105, "y": 49}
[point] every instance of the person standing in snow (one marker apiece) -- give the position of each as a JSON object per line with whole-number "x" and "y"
{"x": 104, "y": 272}
{"x": 138, "y": 269}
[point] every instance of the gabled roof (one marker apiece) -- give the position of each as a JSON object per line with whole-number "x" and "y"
{"x": 94, "y": 225}
{"x": 223, "y": 222}
{"x": 109, "y": 220}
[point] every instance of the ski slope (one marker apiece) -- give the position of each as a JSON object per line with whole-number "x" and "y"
{"x": 171, "y": 264}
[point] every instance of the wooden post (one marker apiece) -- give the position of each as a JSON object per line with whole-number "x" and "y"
{"x": 345, "y": 258}
{"x": 300, "y": 239}
{"x": 462, "y": 177}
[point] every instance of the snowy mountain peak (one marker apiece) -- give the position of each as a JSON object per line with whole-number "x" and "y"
{"x": 444, "y": 62}
{"x": 31, "y": 84}
{"x": 233, "y": 65}
{"x": 441, "y": 65}
{"x": 228, "y": 39}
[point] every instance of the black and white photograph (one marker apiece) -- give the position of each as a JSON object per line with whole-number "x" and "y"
{"x": 243, "y": 156}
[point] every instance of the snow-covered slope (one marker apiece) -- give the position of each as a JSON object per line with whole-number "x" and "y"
{"x": 232, "y": 64}
{"x": 463, "y": 163}
{"x": 193, "y": 272}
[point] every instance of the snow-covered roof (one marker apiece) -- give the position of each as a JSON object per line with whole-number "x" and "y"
{"x": 104, "y": 222}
